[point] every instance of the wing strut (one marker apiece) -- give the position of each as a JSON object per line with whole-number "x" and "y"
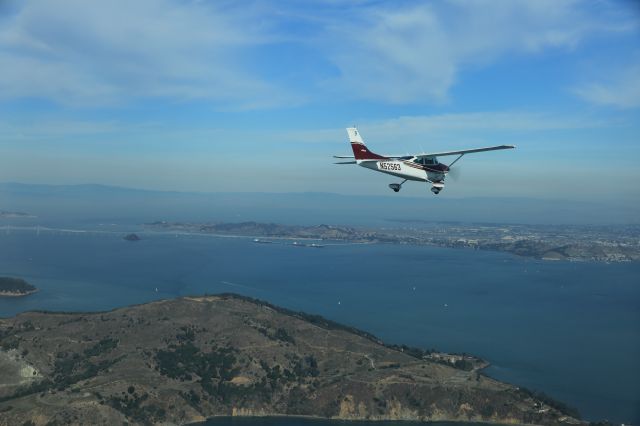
{"x": 454, "y": 161}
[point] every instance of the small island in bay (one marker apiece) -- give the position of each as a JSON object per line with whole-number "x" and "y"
{"x": 9, "y": 214}
{"x": 131, "y": 237}
{"x": 184, "y": 360}
{"x": 11, "y": 287}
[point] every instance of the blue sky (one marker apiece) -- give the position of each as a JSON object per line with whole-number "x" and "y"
{"x": 255, "y": 95}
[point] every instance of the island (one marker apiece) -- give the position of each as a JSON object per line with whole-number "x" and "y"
{"x": 185, "y": 360}
{"x": 13, "y": 287}
{"x": 131, "y": 237}
{"x": 10, "y": 214}
{"x": 616, "y": 243}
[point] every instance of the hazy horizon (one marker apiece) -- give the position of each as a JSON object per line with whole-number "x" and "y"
{"x": 89, "y": 201}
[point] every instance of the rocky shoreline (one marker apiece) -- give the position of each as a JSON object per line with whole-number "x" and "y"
{"x": 15, "y": 287}
{"x": 16, "y": 294}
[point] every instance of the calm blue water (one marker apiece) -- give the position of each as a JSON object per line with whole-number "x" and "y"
{"x": 571, "y": 330}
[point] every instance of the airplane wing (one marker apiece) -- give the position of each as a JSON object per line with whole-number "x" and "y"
{"x": 465, "y": 151}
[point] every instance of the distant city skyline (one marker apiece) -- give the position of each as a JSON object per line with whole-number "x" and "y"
{"x": 255, "y": 96}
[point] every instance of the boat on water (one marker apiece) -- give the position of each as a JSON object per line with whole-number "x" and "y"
{"x": 312, "y": 245}
{"x": 259, "y": 241}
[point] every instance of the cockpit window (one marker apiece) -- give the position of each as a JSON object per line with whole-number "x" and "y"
{"x": 427, "y": 161}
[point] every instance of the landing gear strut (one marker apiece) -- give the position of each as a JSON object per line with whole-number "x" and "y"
{"x": 397, "y": 186}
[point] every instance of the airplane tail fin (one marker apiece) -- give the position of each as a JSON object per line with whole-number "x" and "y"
{"x": 360, "y": 151}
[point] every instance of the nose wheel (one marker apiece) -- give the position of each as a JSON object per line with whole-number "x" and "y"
{"x": 396, "y": 186}
{"x": 437, "y": 187}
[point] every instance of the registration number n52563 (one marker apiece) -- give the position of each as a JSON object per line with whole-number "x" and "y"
{"x": 383, "y": 165}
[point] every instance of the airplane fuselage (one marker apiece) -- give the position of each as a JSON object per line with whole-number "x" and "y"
{"x": 407, "y": 169}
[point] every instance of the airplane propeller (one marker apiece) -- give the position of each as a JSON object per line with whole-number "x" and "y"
{"x": 455, "y": 173}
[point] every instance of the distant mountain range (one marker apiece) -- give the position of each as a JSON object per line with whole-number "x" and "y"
{"x": 101, "y": 202}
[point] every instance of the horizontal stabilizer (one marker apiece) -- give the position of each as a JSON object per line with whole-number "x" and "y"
{"x": 343, "y": 156}
{"x": 346, "y": 162}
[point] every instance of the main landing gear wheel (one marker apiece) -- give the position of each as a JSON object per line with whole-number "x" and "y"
{"x": 435, "y": 190}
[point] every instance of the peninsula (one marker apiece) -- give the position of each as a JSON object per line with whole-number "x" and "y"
{"x": 12, "y": 287}
{"x": 184, "y": 360}
{"x": 573, "y": 243}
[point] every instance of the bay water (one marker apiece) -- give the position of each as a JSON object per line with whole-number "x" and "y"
{"x": 571, "y": 330}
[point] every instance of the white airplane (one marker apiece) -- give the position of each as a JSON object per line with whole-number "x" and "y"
{"x": 423, "y": 167}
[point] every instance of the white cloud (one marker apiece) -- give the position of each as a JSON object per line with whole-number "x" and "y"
{"x": 109, "y": 52}
{"x": 621, "y": 89}
{"x": 79, "y": 52}
{"x": 408, "y": 132}
{"x": 408, "y": 54}
{"x": 492, "y": 120}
